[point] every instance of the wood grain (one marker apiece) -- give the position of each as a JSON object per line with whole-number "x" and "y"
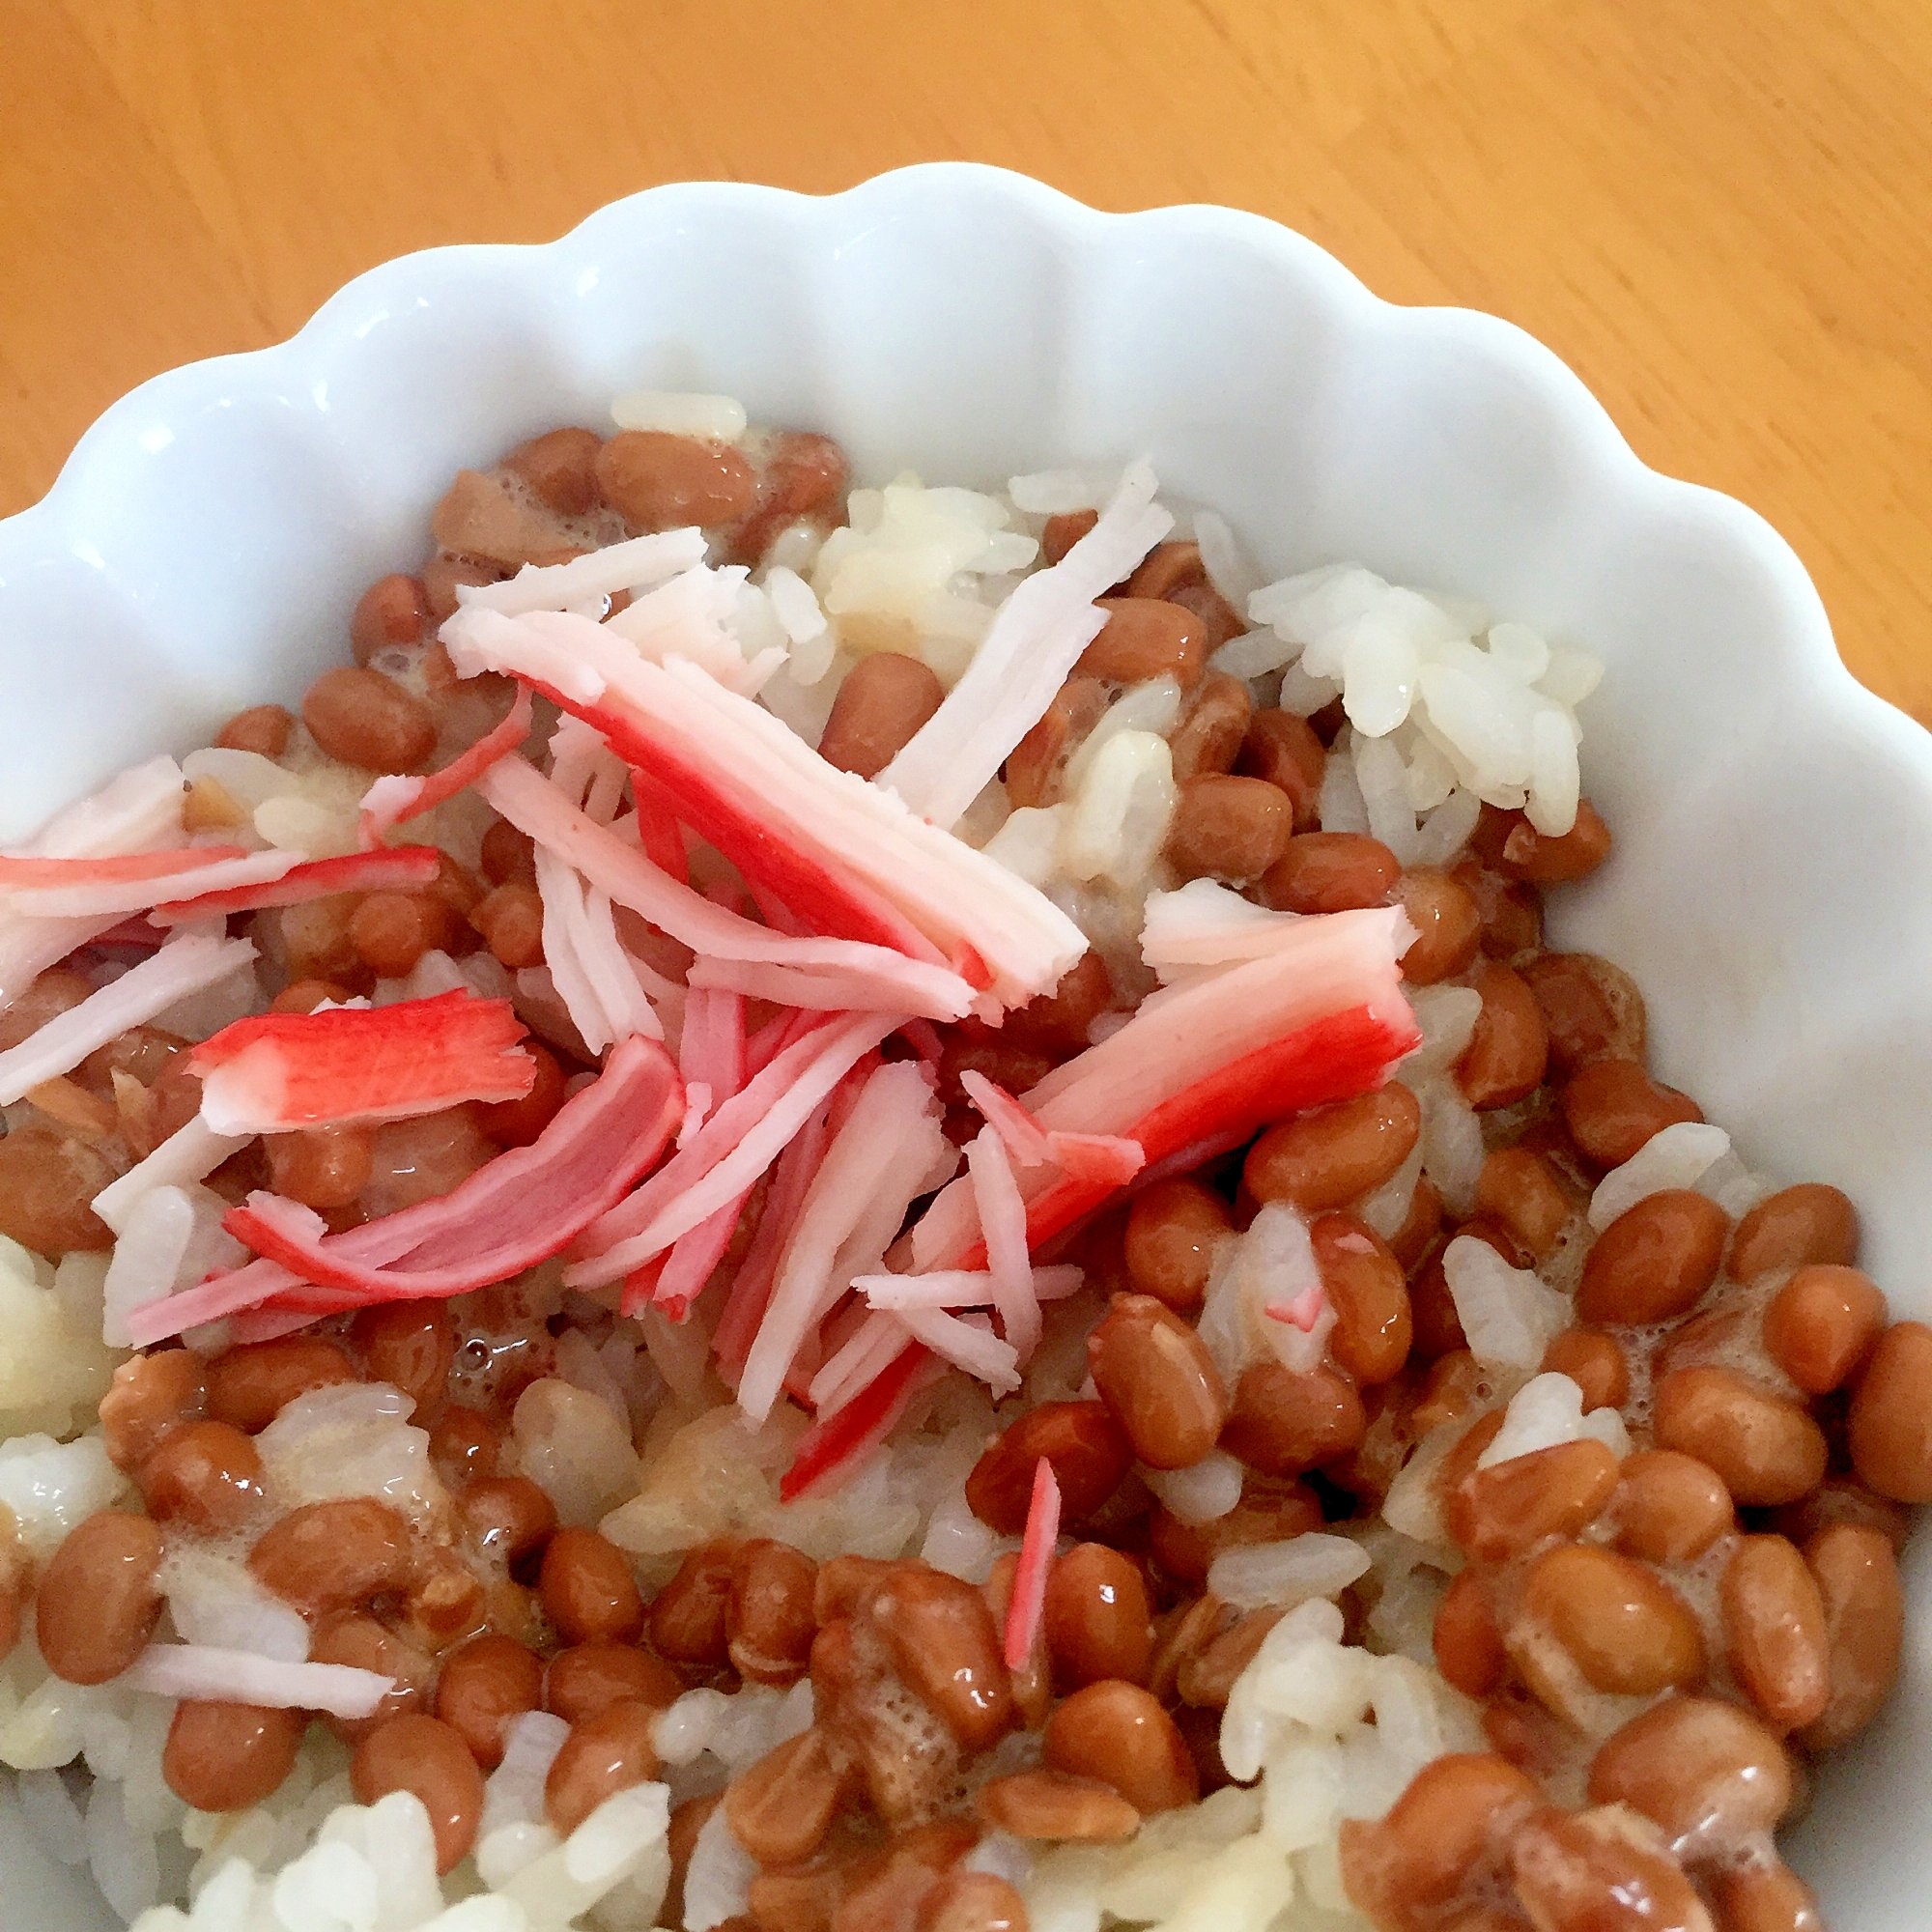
{"x": 1714, "y": 210}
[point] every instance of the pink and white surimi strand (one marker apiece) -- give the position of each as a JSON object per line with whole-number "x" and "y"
{"x": 1028, "y": 1604}
{"x": 182, "y": 966}
{"x": 587, "y": 962}
{"x": 886, "y": 1147}
{"x": 862, "y": 972}
{"x": 205, "y": 1672}
{"x": 1033, "y": 644}
{"x": 1002, "y": 1212}
{"x": 136, "y": 812}
{"x": 737, "y": 1144}
{"x": 225, "y": 867}
{"x": 950, "y": 896}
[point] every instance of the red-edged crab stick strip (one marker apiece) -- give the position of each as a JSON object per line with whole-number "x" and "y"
{"x": 884, "y": 977}
{"x": 880, "y": 1160}
{"x": 829, "y": 1450}
{"x": 28, "y": 872}
{"x": 1104, "y": 1158}
{"x": 1028, "y": 1605}
{"x": 1033, "y": 644}
{"x": 1206, "y": 1063}
{"x": 136, "y": 812}
{"x": 842, "y": 854}
{"x": 396, "y": 868}
{"x": 222, "y": 867}
{"x": 711, "y": 1053}
{"x": 514, "y": 1212}
{"x": 187, "y": 965}
{"x": 393, "y": 798}
{"x": 1024, "y": 1138}
{"x": 734, "y": 1147}
{"x": 1003, "y": 1230}
{"x": 751, "y": 1290}
{"x": 275, "y": 1072}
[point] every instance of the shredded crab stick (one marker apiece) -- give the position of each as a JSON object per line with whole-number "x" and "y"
{"x": 691, "y": 616}
{"x": 136, "y": 812}
{"x": 1002, "y": 1229}
{"x": 844, "y": 855}
{"x": 26, "y": 872}
{"x": 829, "y": 1450}
{"x": 735, "y": 1145}
{"x": 885, "y": 977}
{"x": 1033, "y": 644}
{"x": 1110, "y": 1159}
{"x": 514, "y": 1212}
{"x": 637, "y": 563}
{"x": 1024, "y": 1138}
{"x": 959, "y": 1288}
{"x": 192, "y": 1152}
{"x": 187, "y": 965}
{"x": 1028, "y": 1605}
{"x": 226, "y": 866}
{"x": 393, "y": 798}
{"x": 751, "y": 1286}
{"x": 1203, "y": 926}
{"x": 878, "y": 1161}
{"x": 1301, "y": 1311}
{"x": 711, "y": 1056}
{"x": 274, "y": 1073}
{"x": 595, "y": 978}
{"x": 206, "y": 1672}
{"x": 967, "y": 1342}
{"x": 657, "y": 830}
{"x": 396, "y": 868}
{"x": 1206, "y": 1061}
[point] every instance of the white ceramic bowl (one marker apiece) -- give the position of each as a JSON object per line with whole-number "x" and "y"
{"x": 205, "y": 542}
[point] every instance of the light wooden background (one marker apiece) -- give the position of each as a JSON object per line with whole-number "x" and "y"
{"x": 1717, "y": 211}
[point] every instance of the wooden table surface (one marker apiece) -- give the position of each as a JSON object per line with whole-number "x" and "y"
{"x": 1714, "y": 210}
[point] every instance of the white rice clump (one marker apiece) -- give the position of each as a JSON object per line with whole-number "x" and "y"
{"x": 1332, "y": 1732}
{"x": 1450, "y": 701}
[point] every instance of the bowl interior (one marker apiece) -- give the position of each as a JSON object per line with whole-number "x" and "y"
{"x": 206, "y": 542}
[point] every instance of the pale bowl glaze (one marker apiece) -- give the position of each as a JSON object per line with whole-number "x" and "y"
{"x": 1772, "y": 886}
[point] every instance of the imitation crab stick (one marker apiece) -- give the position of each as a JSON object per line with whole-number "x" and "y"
{"x": 514, "y": 1212}
{"x": 84, "y": 893}
{"x": 277, "y": 1073}
{"x": 884, "y": 978}
{"x": 116, "y": 868}
{"x": 1028, "y": 1605}
{"x": 730, "y": 1152}
{"x": 395, "y": 797}
{"x": 598, "y": 981}
{"x": 711, "y": 1054}
{"x": 139, "y": 811}
{"x": 879, "y": 1161}
{"x": 396, "y": 868}
{"x": 845, "y": 856}
{"x": 636, "y": 563}
{"x": 830, "y": 1450}
{"x": 187, "y": 965}
{"x": 1024, "y": 1137}
{"x": 1033, "y": 644}
{"x": 1002, "y": 1229}
{"x": 1208, "y": 1061}
{"x": 751, "y": 1290}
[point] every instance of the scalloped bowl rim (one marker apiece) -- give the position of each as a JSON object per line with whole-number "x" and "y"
{"x": 1802, "y": 651}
